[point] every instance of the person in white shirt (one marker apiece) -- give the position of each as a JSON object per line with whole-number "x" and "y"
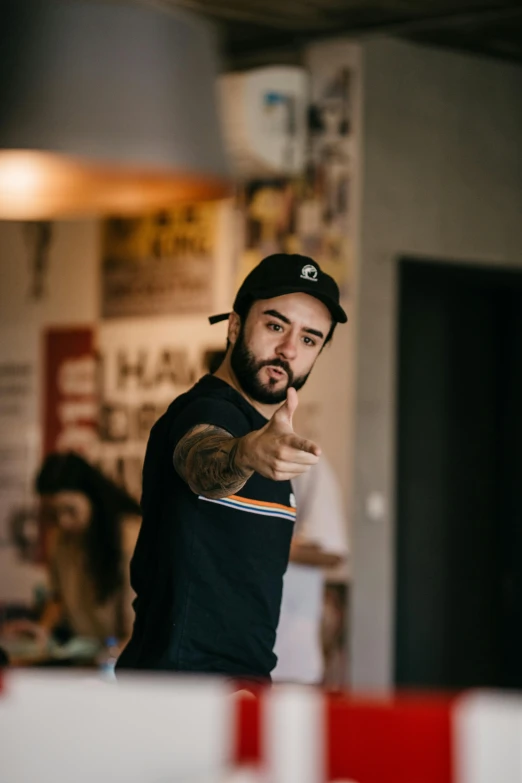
{"x": 320, "y": 542}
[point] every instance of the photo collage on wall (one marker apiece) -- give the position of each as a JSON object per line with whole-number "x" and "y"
{"x": 310, "y": 214}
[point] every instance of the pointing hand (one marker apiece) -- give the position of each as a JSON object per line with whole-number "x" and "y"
{"x": 276, "y": 451}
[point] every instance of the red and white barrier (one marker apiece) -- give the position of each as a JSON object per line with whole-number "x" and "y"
{"x": 488, "y": 738}
{"x": 407, "y": 740}
{"x": 63, "y": 727}
{"x": 474, "y": 738}
{"x": 293, "y": 738}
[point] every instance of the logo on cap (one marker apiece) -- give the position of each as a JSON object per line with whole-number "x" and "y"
{"x": 309, "y": 272}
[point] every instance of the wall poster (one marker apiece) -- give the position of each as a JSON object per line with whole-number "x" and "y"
{"x": 70, "y": 421}
{"x": 143, "y": 366}
{"x": 159, "y": 264}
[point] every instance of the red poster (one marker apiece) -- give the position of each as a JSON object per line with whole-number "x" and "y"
{"x": 70, "y": 417}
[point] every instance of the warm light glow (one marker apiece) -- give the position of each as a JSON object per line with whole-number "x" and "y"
{"x": 19, "y": 177}
{"x": 38, "y": 186}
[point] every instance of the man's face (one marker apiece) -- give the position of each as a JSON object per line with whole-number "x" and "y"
{"x": 278, "y": 344}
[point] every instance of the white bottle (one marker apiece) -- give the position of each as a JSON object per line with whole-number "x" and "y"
{"x": 107, "y": 659}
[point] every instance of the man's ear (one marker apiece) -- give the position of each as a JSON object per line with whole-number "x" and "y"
{"x": 234, "y": 326}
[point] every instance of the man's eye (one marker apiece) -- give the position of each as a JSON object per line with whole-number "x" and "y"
{"x": 309, "y": 341}
{"x": 275, "y": 327}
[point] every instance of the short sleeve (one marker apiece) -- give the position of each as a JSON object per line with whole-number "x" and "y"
{"x": 207, "y": 410}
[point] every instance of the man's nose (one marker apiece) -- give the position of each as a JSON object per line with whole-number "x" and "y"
{"x": 287, "y": 348}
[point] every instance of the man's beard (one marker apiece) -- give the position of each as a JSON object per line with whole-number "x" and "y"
{"x": 246, "y": 369}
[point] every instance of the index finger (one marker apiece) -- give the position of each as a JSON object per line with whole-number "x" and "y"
{"x": 302, "y": 444}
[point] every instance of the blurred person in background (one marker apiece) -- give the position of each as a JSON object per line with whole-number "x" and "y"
{"x": 94, "y": 526}
{"x": 319, "y": 543}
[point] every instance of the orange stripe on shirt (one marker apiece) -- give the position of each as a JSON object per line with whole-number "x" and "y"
{"x": 261, "y": 503}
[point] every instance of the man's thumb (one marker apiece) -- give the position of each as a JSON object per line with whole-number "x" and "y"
{"x": 287, "y": 410}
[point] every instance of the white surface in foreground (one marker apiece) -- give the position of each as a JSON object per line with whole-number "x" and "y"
{"x": 61, "y": 728}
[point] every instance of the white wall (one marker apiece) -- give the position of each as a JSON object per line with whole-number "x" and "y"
{"x": 442, "y": 177}
{"x": 70, "y": 297}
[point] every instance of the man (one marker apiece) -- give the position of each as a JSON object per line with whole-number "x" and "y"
{"x": 319, "y": 543}
{"x": 217, "y": 503}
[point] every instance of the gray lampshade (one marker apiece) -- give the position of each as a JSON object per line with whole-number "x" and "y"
{"x": 105, "y": 107}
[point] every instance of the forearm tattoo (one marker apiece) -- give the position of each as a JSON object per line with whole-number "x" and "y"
{"x": 206, "y": 459}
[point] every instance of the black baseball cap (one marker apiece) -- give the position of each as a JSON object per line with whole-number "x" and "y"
{"x": 281, "y": 274}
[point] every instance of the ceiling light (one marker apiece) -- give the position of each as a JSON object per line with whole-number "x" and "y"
{"x": 105, "y": 108}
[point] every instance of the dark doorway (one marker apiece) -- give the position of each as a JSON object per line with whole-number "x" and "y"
{"x": 459, "y": 481}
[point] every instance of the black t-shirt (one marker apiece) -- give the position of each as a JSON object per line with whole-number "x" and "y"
{"x": 208, "y": 574}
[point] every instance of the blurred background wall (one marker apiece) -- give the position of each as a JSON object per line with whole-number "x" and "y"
{"x": 435, "y": 175}
{"x": 69, "y": 296}
{"x": 441, "y": 179}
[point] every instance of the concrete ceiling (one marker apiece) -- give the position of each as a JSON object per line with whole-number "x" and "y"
{"x": 253, "y": 30}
